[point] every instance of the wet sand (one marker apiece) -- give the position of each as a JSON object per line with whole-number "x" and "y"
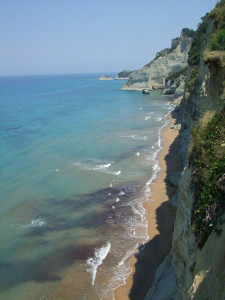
{"x": 160, "y": 216}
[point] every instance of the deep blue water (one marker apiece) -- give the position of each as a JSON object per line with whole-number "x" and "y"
{"x": 76, "y": 153}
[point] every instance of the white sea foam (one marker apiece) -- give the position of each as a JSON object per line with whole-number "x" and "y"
{"x": 136, "y": 225}
{"x": 116, "y": 173}
{"x": 35, "y": 223}
{"x": 110, "y": 186}
{"x": 147, "y": 117}
{"x": 121, "y": 193}
{"x": 141, "y": 107}
{"x": 136, "y": 211}
{"x": 138, "y": 153}
{"x": 156, "y": 168}
{"x": 99, "y": 161}
{"x": 127, "y": 255}
{"x": 117, "y": 199}
{"x": 159, "y": 119}
{"x": 135, "y": 137}
{"x": 109, "y": 194}
{"x": 55, "y": 170}
{"x": 113, "y": 207}
{"x": 96, "y": 261}
{"x": 99, "y": 168}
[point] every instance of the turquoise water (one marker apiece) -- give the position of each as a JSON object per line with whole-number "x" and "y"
{"x": 77, "y": 159}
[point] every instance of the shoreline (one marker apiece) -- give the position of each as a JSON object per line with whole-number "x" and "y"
{"x": 160, "y": 215}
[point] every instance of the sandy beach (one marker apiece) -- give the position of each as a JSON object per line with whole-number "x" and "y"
{"x": 160, "y": 216}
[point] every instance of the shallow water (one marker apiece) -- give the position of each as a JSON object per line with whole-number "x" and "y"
{"x": 77, "y": 158}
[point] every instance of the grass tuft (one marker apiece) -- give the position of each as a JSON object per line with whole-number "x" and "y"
{"x": 217, "y": 41}
{"x": 174, "y": 76}
{"x": 192, "y": 79}
{"x": 218, "y": 14}
{"x": 207, "y": 153}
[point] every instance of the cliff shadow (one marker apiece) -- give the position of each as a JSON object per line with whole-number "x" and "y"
{"x": 154, "y": 252}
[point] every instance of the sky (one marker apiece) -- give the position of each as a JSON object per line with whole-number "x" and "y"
{"x": 85, "y": 36}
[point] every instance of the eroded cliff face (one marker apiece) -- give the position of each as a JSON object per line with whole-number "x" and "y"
{"x": 199, "y": 272}
{"x": 168, "y": 61}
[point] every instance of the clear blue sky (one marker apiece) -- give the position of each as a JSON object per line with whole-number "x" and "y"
{"x": 77, "y": 36}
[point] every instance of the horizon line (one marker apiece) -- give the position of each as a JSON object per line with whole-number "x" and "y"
{"x": 58, "y": 74}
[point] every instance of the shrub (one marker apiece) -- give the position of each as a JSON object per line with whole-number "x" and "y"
{"x": 174, "y": 76}
{"x": 218, "y": 14}
{"x": 192, "y": 79}
{"x": 208, "y": 156}
{"x": 195, "y": 50}
{"x": 188, "y": 32}
{"x": 218, "y": 41}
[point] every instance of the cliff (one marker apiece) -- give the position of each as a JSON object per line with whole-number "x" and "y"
{"x": 123, "y": 74}
{"x": 105, "y": 77}
{"x": 198, "y": 247}
{"x": 166, "y": 62}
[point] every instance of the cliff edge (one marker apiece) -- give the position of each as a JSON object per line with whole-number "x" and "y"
{"x": 166, "y": 62}
{"x": 197, "y": 263}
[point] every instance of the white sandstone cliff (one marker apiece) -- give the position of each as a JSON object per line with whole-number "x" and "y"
{"x": 199, "y": 272}
{"x": 166, "y": 62}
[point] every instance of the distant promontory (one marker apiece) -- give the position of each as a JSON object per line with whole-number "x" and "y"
{"x": 105, "y": 77}
{"x": 123, "y": 74}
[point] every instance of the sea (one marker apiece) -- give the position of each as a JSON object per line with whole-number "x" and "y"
{"x": 78, "y": 158}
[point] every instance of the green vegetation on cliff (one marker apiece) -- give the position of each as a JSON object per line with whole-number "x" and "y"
{"x": 195, "y": 53}
{"x": 174, "y": 76}
{"x": 207, "y": 153}
{"x": 192, "y": 78}
{"x": 196, "y": 47}
{"x": 218, "y": 15}
{"x": 218, "y": 41}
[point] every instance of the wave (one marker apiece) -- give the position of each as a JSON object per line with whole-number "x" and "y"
{"x": 96, "y": 261}
{"x": 127, "y": 255}
{"x": 156, "y": 168}
{"x": 137, "y": 212}
{"x": 100, "y": 168}
{"x": 115, "y": 173}
{"x": 121, "y": 193}
{"x": 35, "y": 223}
{"x": 147, "y": 117}
{"x": 135, "y": 137}
{"x": 159, "y": 119}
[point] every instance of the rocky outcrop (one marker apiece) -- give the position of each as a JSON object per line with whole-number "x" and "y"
{"x": 169, "y": 88}
{"x": 166, "y": 62}
{"x": 145, "y": 92}
{"x": 105, "y": 77}
{"x": 123, "y": 74}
